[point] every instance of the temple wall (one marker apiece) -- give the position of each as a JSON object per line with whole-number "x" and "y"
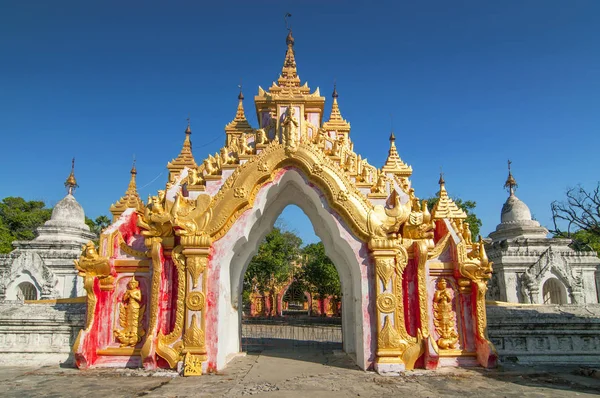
{"x": 39, "y": 334}
{"x": 546, "y": 334}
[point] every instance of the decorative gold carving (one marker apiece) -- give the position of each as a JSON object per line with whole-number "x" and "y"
{"x": 192, "y": 365}
{"x": 156, "y": 253}
{"x": 262, "y": 166}
{"x": 163, "y": 348}
{"x": 439, "y": 247}
{"x": 342, "y": 196}
{"x": 317, "y": 168}
{"x": 419, "y": 224}
{"x": 386, "y": 302}
{"x": 443, "y": 316}
{"x": 156, "y": 219}
{"x": 91, "y": 265}
{"x": 130, "y": 314}
{"x": 388, "y": 336}
{"x": 421, "y": 246}
{"x": 194, "y": 336}
{"x": 384, "y": 266}
{"x": 195, "y": 301}
{"x": 239, "y": 192}
{"x": 191, "y": 217}
{"x": 196, "y": 266}
{"x": 289, "y": 126}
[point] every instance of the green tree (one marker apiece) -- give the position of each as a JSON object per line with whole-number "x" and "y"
{"x": 318, "y": 272}
{"x": 274, "y": 261}
{"x": 97, "y": 225}
{"x": 578, "y": 218}
{"x": 469, "y": 207}
{"x": 19, "y": 219}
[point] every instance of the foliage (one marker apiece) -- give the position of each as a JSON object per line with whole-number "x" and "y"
{"x": 469, "y": 207}
{"x": 318, "y": 272}
{"x": 19, "y": 219}
{"x": 97, "y": 225}
{"x": 274, "y": 261}
{"x": 578, "y": 218}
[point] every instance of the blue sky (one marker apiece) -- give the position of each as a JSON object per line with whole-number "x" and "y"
{"x": 470, "y": 84}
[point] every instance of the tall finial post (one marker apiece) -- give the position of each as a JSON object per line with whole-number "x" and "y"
{"x": 441, "y": 180}
{"x": 241, "y": 94}
{"x": 71, "y": 182}
{"x": 285, "y": 18}
{"x": 510, "y": 183}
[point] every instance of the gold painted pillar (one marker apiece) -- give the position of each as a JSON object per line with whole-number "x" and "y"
{"x": 396, "y": 349}
{"x": 195, "y": 250}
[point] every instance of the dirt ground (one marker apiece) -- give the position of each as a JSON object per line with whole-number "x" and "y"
{"x": 300, "y": 373}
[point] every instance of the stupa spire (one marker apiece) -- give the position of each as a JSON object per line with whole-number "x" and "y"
{"x": 393, "y": 163}
{"x": 131, "y": 199}
{"x": 336, "y": 121}
{"x": 185, "y": 157}
{"x": 239, "y": 124}
{"x": 71, "y": 182}
{"x": 445, "y": 206}
{"x": 289, "y": 74}
{"x": 510, "y": 183}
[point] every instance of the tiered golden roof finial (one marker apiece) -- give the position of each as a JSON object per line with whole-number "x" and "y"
{"x": 239, "y": 124}
{"x": 185, "y": 157}
{"x": 71, "y": 182}
{"x": 393, "y": 163}
{"x": 445, "y": 207}
{"x": 510, "y": 183}
{"x": 131, "y": 199}
{"x": 336, "y": 121}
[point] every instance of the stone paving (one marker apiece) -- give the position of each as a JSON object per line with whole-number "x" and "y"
{"x": 313, "y": 373}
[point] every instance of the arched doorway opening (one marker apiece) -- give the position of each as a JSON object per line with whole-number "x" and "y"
{"x": 347, "y": 252}
{"x": 26, "y": 291}
{"x": 291, "y": 291}
{"x": 554, "y": 292}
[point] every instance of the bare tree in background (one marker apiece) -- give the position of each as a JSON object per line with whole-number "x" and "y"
{"x": 578, "y": 217}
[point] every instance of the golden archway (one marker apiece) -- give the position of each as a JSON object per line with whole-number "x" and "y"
{"x": 201, "y": 203}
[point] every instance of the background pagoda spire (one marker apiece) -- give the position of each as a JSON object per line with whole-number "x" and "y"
{"x": 185, "y": 157}
{"x": 71, "y": 182}
{"x": 510, "y": 183}
{"x": 336, "y": 121}
{"x": 445, "y": 207}
{"x": 131, "y": 199}
{"x": 393, "y": 163}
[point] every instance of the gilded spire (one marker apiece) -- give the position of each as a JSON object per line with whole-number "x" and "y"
{"x": 510, "y": 183}
{"x": 393, "y": 163}
{"x": 445, "y": 207}
{"x": 185, "y": 157}
{"x": 336, "y": 121}
{"x": 131, "y": 199}
{"x": 239, "y": 124}
{"x": 289, "y": 75}
{"x": 71, "y": 182}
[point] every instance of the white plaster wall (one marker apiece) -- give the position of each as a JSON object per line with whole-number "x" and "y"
{"x": 234, "y": 251}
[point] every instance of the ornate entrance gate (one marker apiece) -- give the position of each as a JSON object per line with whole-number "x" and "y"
{"x": 164, "y": 288}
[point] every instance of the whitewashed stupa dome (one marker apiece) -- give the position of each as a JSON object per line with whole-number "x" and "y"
{"x": 68, "y": 212}
{"x": 515, "y": 219}
{"x": 515, "y": 210}
{"x": 67, "y": 223}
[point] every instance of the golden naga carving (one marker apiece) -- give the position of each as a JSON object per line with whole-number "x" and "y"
{"x": 130, "y": 314}
{"x": 384, "y": 222}
{"x": 91, "y": 265}
{"x": 443, "y": 316}
{"x": 419, "y": 224}
{"x": 156, "y": 219}
{"x": 191, "y": 217}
